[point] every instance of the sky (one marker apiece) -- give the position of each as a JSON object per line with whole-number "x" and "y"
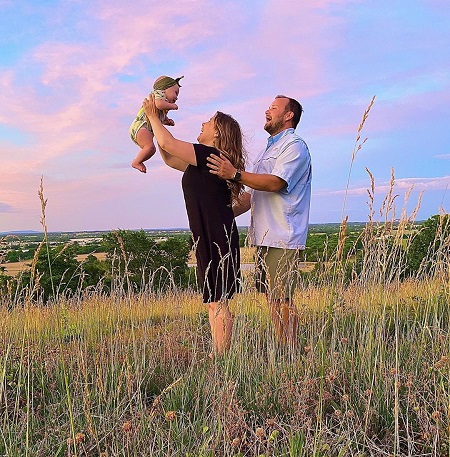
{"x": 73, "y": 74}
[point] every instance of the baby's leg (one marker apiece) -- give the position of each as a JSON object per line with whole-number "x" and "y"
{"x": 144, "y": 139}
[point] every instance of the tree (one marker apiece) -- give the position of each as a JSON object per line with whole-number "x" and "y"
{"x": 142, "y": 261}
{"x": 56, "y": 273}
{"x": 430, "y": 248}
{"x": 93, "y": 271}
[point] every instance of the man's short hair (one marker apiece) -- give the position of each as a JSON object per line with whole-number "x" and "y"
{"x": 294, "y": 106}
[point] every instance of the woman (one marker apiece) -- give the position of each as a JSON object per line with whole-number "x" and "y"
{"x": 209, "y": 207}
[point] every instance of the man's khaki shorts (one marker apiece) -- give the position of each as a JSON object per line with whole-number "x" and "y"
{"x": 277, "y": 271}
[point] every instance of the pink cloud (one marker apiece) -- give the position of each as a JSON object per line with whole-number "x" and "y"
{"x": 418, "y": 184}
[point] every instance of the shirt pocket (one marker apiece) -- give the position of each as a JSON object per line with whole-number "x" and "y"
{"x": 267, "y": 162}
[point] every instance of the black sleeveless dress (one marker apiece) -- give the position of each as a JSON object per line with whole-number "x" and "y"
{"x": 211, "y": 220}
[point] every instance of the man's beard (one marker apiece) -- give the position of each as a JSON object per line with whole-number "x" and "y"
{"x": 273, "y": 128}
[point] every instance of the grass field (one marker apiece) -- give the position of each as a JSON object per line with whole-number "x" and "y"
{"x": 13, "y": 268}
{"x": 130, "y": 375}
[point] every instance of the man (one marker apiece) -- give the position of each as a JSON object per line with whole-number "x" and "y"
{"x": 279, "y": 193}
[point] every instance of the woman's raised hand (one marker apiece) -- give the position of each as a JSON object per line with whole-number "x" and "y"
{"x": 150, "y": 107}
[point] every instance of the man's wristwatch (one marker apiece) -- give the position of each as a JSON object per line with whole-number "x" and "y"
{"x": 237, "y": 176}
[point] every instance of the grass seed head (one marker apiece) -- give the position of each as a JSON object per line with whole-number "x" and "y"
{"x": 260, "y": 432}
{"x": 171, "y": 416}
{"x": 127, "y": 427}
{"x": 80, "y": 438}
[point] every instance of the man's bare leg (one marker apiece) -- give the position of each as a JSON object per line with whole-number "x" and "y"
{"x": 284, "y": 316}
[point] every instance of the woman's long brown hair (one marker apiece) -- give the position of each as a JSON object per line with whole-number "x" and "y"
{"x": 229, "y": 141}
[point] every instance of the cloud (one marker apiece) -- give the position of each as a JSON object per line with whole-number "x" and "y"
{"x": 443, "y": 156}
{"x": 72, "y": 90}
{"x": 5, "y": 208}
{"x": 441, "y": 183}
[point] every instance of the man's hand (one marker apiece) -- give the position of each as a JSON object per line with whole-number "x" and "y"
{"x": 221, "y": 166}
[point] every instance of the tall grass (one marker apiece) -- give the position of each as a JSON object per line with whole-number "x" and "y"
{"x": 120, "y": 376}
{"x": 128, "y": 374}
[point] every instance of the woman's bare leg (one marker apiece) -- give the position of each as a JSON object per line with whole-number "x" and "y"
{"x": 221, "y": 322}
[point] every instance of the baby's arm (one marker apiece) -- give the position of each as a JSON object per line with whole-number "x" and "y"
{"x": 163, "y": 104}
{"x": 167, "y": 121}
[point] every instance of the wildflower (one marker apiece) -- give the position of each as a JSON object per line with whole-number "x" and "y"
{"x": 349, "y": 413}
{"x": 171, "y": 416}
{"x": 126, "y": 427}
{"x": 260, "y": 432}
{"x": 344, "y": 340}
{"x": 273, "y": 435}
{"x": 345, "y": 397}
{"x": 307, "y": 349}
{"x": 435, "y": 415}
{"x": 331, "y": 377}
{"x": 393, "y": 371}
{"x": 337, "y": 413}
{"x": 236, "y": 442}
{"x": 80, "y": 437}
{"x": 271, "y": 422}
{"x": 409, "y": 382}
{"x": 367, "y": 392}
{"x": 69, "y": 441}
{"x": 441, "y": 363}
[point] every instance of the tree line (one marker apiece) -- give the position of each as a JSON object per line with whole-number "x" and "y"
{"x": 136, "y": 261}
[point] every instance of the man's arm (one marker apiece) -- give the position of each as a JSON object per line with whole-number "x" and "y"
{"x": 223, "y": 168}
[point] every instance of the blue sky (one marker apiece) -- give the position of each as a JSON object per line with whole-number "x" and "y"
{"x": 74, "y": 73}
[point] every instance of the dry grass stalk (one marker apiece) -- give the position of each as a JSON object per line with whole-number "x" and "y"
{"x": 341, "y": 239}
{"x": 357, "y": 147}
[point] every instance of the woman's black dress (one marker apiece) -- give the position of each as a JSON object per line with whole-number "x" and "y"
{"x": 211, "y": 220}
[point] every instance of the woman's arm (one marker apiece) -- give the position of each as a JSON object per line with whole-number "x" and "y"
{"x": 172, "y": 161}
{"x": 181, "y": 149}
{"x": 242, "y": 205}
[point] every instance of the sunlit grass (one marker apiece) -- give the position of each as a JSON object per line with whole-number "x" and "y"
{"x": 130, "y": 375}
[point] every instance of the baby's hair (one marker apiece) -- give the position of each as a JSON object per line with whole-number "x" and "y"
{"x": 164, "y": 82}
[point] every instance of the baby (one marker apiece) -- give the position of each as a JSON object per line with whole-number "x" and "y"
{"x": 166, "y": 91}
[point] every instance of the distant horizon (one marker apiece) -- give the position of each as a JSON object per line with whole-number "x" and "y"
{"x": 167, "y": 229}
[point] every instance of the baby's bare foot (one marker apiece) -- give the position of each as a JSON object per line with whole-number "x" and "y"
{"x": 139, "y": 166}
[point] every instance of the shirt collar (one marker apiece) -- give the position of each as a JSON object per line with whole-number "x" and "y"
{"x": 273, "y": 139}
